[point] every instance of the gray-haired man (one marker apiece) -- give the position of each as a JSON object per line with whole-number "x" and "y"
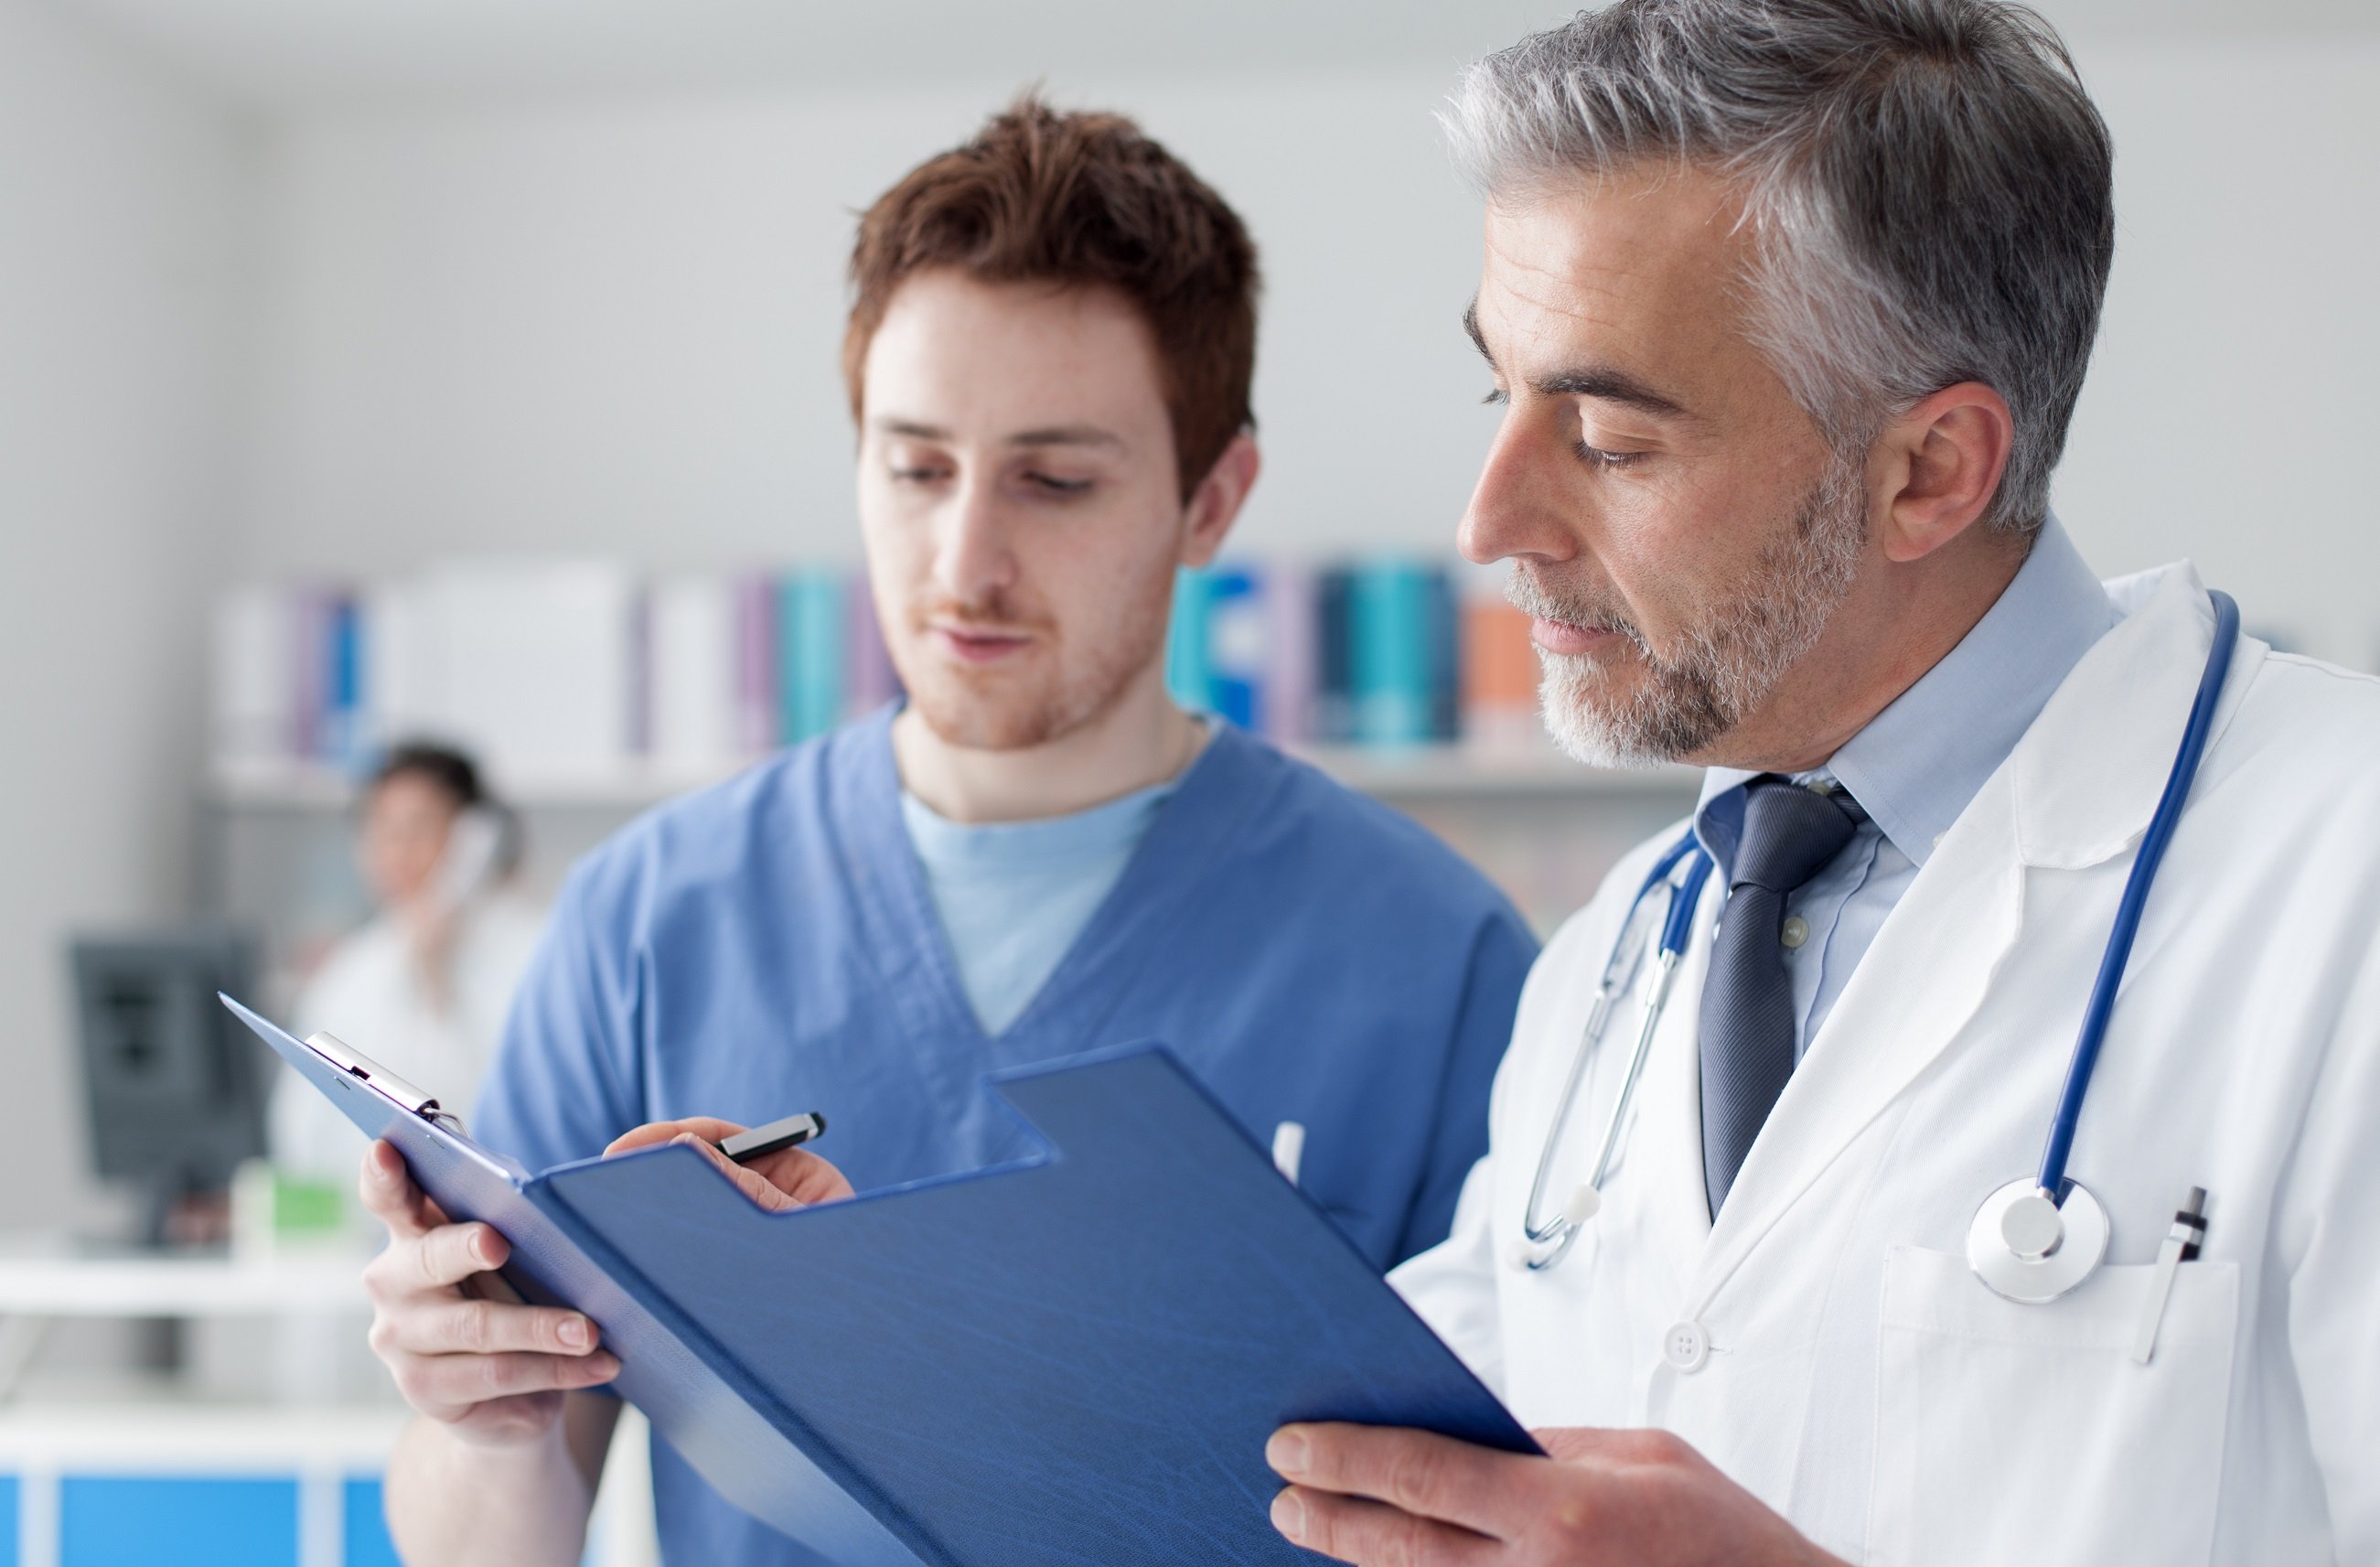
{"x": 1788, "y": 302}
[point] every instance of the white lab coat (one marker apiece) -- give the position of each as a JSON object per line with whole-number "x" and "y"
{"x": 1825, "y": 1343}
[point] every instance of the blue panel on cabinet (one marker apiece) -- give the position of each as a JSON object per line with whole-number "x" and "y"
{"x": 9, "y": 1527}
{"x": 138, "y": 1521}
{"x": 366, "y": 1528}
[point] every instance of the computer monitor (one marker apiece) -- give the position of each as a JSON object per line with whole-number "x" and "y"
{"x": 175, "y": 1087}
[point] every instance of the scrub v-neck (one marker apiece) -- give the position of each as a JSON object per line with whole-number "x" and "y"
{"x": 1210, "y": 802}
{"x": 1013, "y": 895}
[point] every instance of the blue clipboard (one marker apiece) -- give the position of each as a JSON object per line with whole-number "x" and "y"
{"x": 1075, "y": 1356}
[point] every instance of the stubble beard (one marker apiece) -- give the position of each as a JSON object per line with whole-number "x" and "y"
{"x": 1725, "y": 665}
{"x": 993, "y": 711}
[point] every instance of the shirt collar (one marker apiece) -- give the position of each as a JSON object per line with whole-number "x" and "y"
{"x": 1916, "y": 765}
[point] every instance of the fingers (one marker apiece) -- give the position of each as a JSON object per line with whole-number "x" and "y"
{"x": 495, "y": 1369}
{"x": 450, "y": 1387}
{"x": 508, "y": 1421}
{"x": 1373, "y": 1534}
{"x": 749, "y": 1181}
{"x": 802, "y": 1176}
{"x": 432, "y": 1263}
{"x": 787, "y": 1179}
{"x": 453, "y": 1253}
{"x": 1431, "y": 1476}
{"x": 710, "y": 1128}
{"x": 465, "y": 1326}
{"x": 390, "y": 1196}
{"x": 1588, "y": 1444}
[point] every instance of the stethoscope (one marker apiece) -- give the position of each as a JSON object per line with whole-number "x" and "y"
{"x": 2033, "y": 1239}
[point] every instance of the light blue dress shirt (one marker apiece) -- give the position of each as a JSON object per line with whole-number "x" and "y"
{"x": 1013, "y": 895}
{"x": 1917, "y": 764}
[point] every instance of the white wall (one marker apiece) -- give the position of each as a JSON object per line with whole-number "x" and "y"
{"x": 2232, "y": 410}
{"x": 121, "y": 204}
{"x": 611, "y": 327}
{"x": 614, "y": 328}
{"x": 617, "y": 328}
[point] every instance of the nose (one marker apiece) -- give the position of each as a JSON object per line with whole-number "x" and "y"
{"x": 973, "y": 560}
{"x": 1519, "y": 507}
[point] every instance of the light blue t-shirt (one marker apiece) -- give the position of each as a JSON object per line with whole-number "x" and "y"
{"x": 1013, "y": 895}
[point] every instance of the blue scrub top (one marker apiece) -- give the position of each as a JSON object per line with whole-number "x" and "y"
{"x": 770, "y": 945}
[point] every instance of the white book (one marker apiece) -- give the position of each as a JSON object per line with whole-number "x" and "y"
{"x": 691, "y": 643}
{"x": 255, "y": 651}
{"x": 401, "y": 696}
{"x": 532, "y": 664}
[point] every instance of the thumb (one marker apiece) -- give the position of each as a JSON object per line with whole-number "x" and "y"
{"x": 1578, "y": 1444}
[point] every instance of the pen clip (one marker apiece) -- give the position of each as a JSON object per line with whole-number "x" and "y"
{"x": 2183, "y": 1242}
{"x": 380, "y": 1080}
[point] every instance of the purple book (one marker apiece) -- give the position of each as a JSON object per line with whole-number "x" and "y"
{"x": 756, "y": 665}
{"x": 1291, "y": 639}
{"x": 873, "y": 681}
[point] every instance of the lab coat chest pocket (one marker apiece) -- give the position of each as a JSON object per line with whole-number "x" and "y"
{"x": 2027, "y": 1433}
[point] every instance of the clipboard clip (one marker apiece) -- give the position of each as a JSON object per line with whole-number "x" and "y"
{"x": 382, "y": 1081}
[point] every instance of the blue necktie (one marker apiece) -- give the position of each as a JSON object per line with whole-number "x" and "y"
{"x": 1748, "y": 1027}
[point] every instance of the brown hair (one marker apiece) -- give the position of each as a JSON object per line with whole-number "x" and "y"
{"x": 1086, "y": 201}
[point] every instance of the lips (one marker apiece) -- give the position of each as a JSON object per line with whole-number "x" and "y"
{"x": 978, "y": 644}
{"x": 1561, "y": 637}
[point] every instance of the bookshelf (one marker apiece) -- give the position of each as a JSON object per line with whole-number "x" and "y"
{"x": 1394, "y": 774}
{"x": 275, "y": 844}
{"x": 592, "y": 690}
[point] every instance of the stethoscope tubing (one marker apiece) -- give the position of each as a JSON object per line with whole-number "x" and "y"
{"x": 1676, "y": 929}
{"x": 1677, "y": 924}
{"x": 2102, "y": 1004}
{"x": 1619, "y": 973}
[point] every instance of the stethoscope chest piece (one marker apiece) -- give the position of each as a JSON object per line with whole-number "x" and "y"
{"x": 2032, "y": 1250}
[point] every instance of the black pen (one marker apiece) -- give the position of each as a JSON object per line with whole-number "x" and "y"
{"x": 790, "y": 1133}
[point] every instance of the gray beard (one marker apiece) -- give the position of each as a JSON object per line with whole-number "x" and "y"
{"x": 1725, "y": 665}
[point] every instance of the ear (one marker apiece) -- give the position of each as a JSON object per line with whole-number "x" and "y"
{"x": 1215, "y": 504}
{"x": 1937, "y": 468}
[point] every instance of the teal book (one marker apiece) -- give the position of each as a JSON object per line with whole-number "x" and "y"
{"x": 811, "y": 646}
{"x": 1390, "y": 636}
{"x": 1189, "y": 668}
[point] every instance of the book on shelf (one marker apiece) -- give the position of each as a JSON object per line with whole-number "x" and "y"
{"x": 814, "y": 644}
{"x": 1370, "y": 652}
{"x": 588, "y": 669}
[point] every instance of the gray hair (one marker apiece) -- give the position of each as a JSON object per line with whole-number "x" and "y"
{"x": 1928, "y": 188}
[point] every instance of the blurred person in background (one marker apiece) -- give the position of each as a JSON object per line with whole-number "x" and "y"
{"x": 424, "y": 986}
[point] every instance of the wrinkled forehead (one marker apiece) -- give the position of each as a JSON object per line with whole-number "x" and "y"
{"x": 1645, "y": 270}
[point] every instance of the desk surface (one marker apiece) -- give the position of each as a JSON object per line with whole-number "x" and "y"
{"x": 196, "y": 1437}
{"x": 52, "y": 1278}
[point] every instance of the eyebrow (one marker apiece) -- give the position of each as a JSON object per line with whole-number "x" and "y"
{"x": 1053, "y": 436}
{"x": 1600, "y": 382}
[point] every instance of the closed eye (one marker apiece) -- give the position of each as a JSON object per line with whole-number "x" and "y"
{"x": 1597, "y": 457}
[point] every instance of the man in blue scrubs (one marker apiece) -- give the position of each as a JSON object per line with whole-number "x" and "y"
{"x": 1049, "y": 360}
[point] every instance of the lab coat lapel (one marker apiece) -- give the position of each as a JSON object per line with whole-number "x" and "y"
{"x": 2078, "y": 790}
{"x": 2085, "y": 793}
{"x": 1921, "y": 980}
